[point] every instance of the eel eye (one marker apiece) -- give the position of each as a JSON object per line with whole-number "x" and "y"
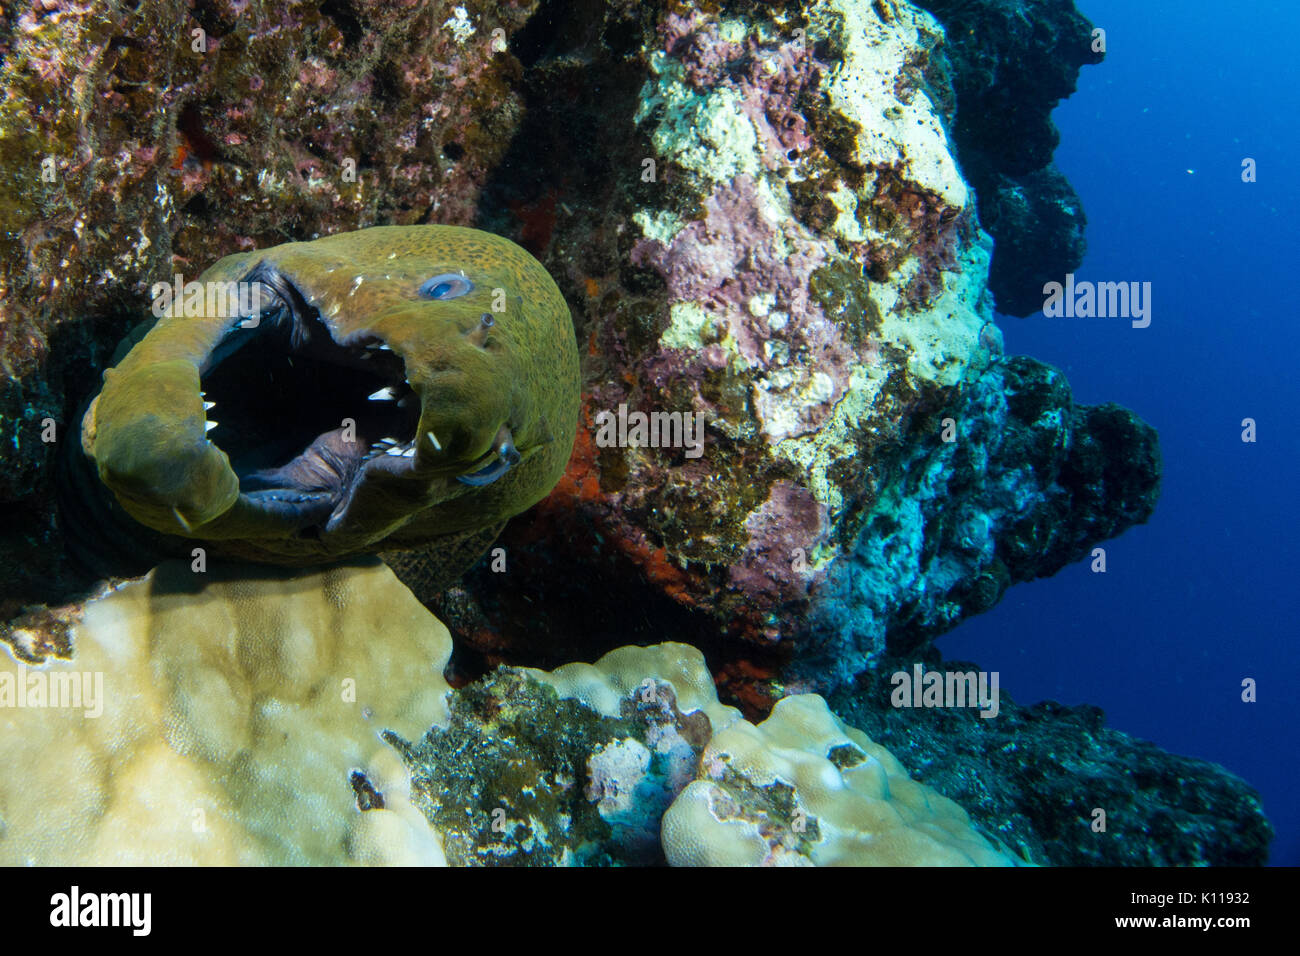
{"x": 507, "y": 457}
{"x": 486, "y": 320}
{"x": 449, "y": 285}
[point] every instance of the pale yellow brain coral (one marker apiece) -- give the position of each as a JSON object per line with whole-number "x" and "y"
{"x": 802, "y": 788}
{"x": 235, "y": 710}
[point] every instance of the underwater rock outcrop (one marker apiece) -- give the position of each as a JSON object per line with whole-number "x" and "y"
{"x": 1028, "y": 483}
{"x": 756, "y": 213}
{"x": 1035, "y": 777}
{"x": 1012, "y": 62}
{"x": 779, "y": 250}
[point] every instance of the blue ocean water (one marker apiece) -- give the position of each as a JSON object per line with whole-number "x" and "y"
{"x": 1205, "y": 594}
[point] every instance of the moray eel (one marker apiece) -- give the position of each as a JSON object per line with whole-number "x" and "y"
{"x": 391, "y": 388}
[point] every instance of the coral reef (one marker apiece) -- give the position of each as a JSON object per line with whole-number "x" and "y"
{"x": 763, "y": 219}
{"x": 632, "y": 760}
{"x": 301, "y": 717}
{"x": 235, "y": 717}
{"x": 572, "y": 767}
{"x": 755, "y": 213}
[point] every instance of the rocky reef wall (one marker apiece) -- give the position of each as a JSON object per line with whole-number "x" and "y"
{"x": 782, "y": 229}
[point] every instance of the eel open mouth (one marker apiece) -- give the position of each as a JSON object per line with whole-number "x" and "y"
{"x": 303, "y": 417}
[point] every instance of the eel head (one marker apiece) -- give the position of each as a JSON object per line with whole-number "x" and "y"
{"x": 365, "y": 391}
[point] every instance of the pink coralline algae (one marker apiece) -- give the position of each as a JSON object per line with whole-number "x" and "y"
{"x": 785, "y": 532}
{"x": 750, "y": 269}
{"x": 731, "y": 255}
{"x": 761, "y": 277}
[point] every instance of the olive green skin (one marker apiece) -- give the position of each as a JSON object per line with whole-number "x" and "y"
{"x": 144, "y": 433}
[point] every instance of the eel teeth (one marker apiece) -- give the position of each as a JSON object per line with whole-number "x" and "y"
{"x": 433, "y": 440}
{"x": 401, "y": 451}
{"x": 208, "y": 426}
{"x": 209, "y": 405}
{"x": 385, "y": 394}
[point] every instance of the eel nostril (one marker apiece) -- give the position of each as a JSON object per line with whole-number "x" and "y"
{"x": 479, "y": 333}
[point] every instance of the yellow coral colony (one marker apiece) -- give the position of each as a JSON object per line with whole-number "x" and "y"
{"x": 801, "y": 788}
{"x": 849, "y": 801}
{"x": 233, "y": 716}
{"x": 625, "y": 671}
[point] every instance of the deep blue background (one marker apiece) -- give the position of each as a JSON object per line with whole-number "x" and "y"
{"x": 1205, "y": 593}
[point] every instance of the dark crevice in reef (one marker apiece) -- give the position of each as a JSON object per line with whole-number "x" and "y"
{"x": 1012, "y": 62}
{"x": 217, "y": 19}
{"x": 191, "y": 126}
{"x": 585, "y": 608}
{"x": 34, "y": 568}
{"x": 582, "y": 74}
{"x": 345, "y": 18}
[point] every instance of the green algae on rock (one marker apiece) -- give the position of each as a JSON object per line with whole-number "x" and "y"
{"x": 389, "y": 388}
{"x": 522, "y": 776}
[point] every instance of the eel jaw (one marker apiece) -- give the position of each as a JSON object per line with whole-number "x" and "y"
{"x": 304, "y": 417}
